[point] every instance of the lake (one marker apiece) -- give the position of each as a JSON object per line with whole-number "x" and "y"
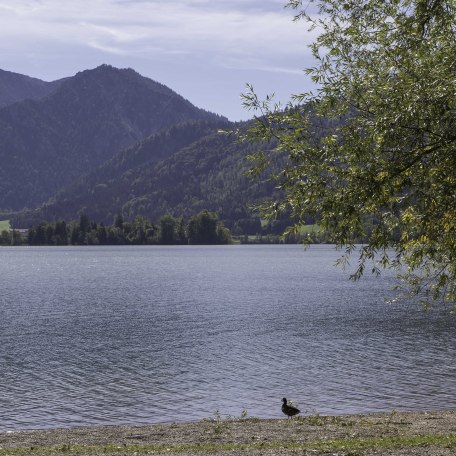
{"x": 111, "y": 335}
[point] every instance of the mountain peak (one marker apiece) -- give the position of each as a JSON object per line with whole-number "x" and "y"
{"x": 109, "y": 76}
{"x": 105, "y": 68}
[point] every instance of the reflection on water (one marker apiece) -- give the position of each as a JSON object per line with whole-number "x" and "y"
{"x": 157, "y": 334}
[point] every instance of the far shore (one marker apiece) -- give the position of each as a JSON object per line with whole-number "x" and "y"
{"x": 395, "y": 433}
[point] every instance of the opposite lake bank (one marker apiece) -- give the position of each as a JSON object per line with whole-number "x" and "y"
{"x": 395, "y": 433}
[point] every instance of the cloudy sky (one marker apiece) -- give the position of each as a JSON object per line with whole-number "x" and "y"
{"x": 206, "y": 50}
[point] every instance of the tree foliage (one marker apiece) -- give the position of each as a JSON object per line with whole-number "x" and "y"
{"x": 205, "y": 228}
{"x": 375, "y": 142}
{"x": 202, "y": 228}
{"x": 10, "y": 238}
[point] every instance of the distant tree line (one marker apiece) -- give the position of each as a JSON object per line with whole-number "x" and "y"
{"x": 201, "y": 228}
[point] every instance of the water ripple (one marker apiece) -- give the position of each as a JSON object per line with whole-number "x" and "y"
{"x": 144, "y": 335}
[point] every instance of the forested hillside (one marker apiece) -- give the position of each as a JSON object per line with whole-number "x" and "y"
{"x": 182, "y": 171}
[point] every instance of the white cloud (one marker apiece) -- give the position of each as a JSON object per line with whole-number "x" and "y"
{"x": 240, "y": 36}
{"x": 190, "y": 26}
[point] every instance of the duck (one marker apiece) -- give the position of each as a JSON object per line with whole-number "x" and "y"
{"x": 289, "y": 410}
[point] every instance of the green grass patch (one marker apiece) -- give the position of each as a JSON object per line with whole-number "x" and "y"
{"x": 348, "y": 446}
{"x": 4, "y": 225}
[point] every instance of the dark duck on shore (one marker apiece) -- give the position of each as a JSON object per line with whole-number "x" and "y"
{"x": 289, "y": 410}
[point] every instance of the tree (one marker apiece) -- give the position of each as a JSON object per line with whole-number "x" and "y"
{"x": 84, "y": 223}
{"x": 168, "y": 230}
{"x": 40, "y": 234}
{"x": 376, "y": 141}
{"x": 115, "y": 236}
{"x": 102, "y": 234}
{"x": 204, "y": 228}
{"x": 223, "y": 234}
{"x": 61, "y": 233}
{"x": 75, "y": 234}
{"x": 139, "y": 233}
{"x": 181, "y": 231}
{"x": 118, "y": 221}
{"x": 5, "y": 238}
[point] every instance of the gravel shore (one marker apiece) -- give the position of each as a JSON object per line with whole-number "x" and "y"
{"x": 397, "y": 433}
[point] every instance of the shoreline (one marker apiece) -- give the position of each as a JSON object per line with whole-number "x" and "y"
{"x": 397, "y": 433}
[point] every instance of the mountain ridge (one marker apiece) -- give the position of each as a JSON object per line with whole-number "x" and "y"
{"x": 16, "y": 87}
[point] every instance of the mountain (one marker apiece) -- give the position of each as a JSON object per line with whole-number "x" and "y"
{"x": 109, "y": 141}
{"x": 16, "y": 87}
{"x": 47, "y": 144}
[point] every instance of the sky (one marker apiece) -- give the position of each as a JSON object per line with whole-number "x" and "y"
{"x": 205, "y": 50}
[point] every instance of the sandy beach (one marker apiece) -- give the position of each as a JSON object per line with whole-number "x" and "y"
{"x": 396, "y": 433}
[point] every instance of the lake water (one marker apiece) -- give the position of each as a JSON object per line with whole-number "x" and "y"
{"x": 109, "y": 335}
